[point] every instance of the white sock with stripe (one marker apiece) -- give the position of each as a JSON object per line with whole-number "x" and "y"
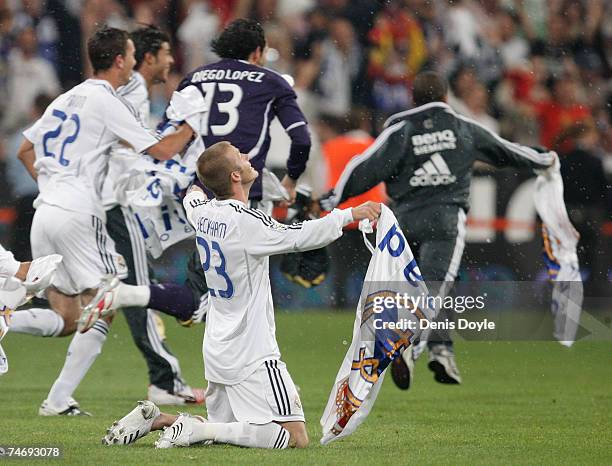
{"x": 82, "y": 352}
{"x": 38, "y": 322}
{"x": 242, "y": 434}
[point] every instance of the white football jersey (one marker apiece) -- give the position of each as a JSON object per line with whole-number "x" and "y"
{"x": 135, "y": 92}
{"x": 235, "y": 243}
{"x": 72, "y": 141}
{"x": 8, "y": 268}
{"x": 8, "y": 265}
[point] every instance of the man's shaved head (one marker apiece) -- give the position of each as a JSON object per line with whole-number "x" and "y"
{"x": 215, "y": 167}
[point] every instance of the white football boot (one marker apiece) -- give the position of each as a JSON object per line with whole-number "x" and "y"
{"x": 179, "y": 433}
{"x": 73, "y": 409}
{"x": 134, "y": 425}
{"x": 442, "y": 364}
{"x": 100, "y": 305}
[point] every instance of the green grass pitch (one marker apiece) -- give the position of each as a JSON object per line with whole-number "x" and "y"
{"x": 521, "y": 402}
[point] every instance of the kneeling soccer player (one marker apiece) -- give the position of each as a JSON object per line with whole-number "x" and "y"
{"x": 251, "y": 399}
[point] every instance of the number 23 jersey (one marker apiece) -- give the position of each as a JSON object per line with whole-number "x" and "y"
{"x": 235, "y": 243}
{"x": 72, "y": 141}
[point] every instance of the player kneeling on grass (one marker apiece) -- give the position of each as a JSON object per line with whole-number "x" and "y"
{"x": 251, "y": 399}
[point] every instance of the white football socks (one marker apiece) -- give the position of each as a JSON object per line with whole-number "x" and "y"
{"x": 36, "y": 321}
{"x": 131, "y": 296}
{"x": 242, "y": 434}
{"x": 82, "y": 352}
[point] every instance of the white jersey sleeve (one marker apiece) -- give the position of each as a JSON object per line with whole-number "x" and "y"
{"x": 8, "y": 265}
{"x": 124, "y": 124}
{"x": 193, "y": 199}
{"x": 268, "y": 237}
{"x": 31, "y": 133}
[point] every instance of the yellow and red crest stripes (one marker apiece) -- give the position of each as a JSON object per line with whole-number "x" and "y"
{"x": 366, "y": 363}
{"x": 547, "y": 247}
{"x": 402, "y": 343}
{"x": 346, "y": 405}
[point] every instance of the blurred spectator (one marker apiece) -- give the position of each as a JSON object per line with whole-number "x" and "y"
{"x": 342, "y": 139}
{"x": 279, "y": 55}
{"x": 561, "y": 111}
{"x": 461, "y": 82}
{"x": 70, "y": 59}
{"x": 6, "y": 24}
{"x": 477, "y": 107}
{"x": 264, "y": 11}
{"x": 23, "y": 188}
{"x": 340, "y": 62}
{"x": 585, "y": 191}
{"x": 513, "y": 47}
{"x": 439, "y": 56}
{"x": 195, "y": 34}
{"x": 33, "y": 14}
{"x": 463, "y": 32}
{"x": 28, "y": 76}
{"x": 96, "y": 13}
{"x": 555, "y": 47}
{"x": 398, "y": 52}
{"x": 471, "y": 35}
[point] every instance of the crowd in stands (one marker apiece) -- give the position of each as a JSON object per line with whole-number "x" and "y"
{"x": 535, "y": 71}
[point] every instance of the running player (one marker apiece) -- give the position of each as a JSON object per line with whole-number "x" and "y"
{"x": 425, "y": 156}
{"x": 67, "y": 151}
{"x": 242, "y": 98}
{"x": 251, "y": 399}
{"x": 18, "y": 282}
{"x": 166, "y": 386}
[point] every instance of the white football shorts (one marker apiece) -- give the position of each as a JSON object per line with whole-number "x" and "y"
{"x": 88, "y": 252}
{"x": 267, "y": 395}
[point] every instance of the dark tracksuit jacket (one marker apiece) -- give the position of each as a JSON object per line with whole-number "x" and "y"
{"x": 425, "y": 156}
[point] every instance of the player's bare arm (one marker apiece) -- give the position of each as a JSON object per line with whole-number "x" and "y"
{"x": 289, "y": 184}
{"x": 171, "y": 144}
{"x": 27, "y": 156}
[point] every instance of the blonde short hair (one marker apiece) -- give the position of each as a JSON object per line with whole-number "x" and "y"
{"x": 214, "y": 169}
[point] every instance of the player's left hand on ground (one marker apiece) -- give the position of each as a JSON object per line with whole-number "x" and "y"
{"x": 370, "y": 210}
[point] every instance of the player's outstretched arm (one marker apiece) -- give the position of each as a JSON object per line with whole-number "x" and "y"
{"x": 377, "y": 163}
{"x": 172, "y": 144}
{"x": 497, "y": 151}
{"x": 28, "y": 157}
{"x": 368, "y": 210}
{"x": 124, "y": 124}
{"x": 267, "y": 237}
